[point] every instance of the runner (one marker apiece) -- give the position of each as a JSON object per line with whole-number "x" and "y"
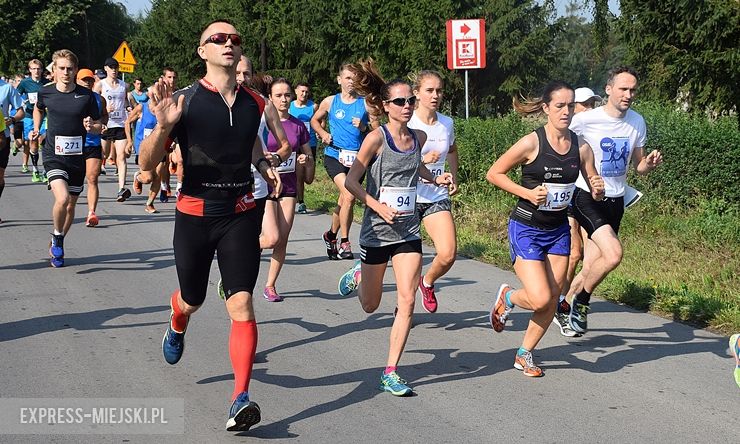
{"x": 391, "y": 156}
{"x": 585, "y": 100}
{"x": 347, "y": 115}
{"x": 163, "y": 170}
{"x": 303, "y": 108}
{"x": 114, "y": 138}
{"x": 432, "y": 202}
{"x": 15, "y": 106}
{"x": 215, "y": 122}
{"x": 29, "y": 88}
{"x": 137, "y": 95}
{"x": 67, "y": 105}
{"x": 539, "y": 235}
{"x": 10, "y": 106}
{"x": 93, "y": 151}
{"x": 617, "y": 135}
{"x": 280, "y": 209}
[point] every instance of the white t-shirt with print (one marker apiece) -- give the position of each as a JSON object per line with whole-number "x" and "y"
{"x": 440, "y": 136}
{"x": 613, "y": 140}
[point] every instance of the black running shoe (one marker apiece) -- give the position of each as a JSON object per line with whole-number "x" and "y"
{"x": 331, "y": 247}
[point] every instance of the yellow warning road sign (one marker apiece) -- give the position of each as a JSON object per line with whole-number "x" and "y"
{"x": 124, "y": 55}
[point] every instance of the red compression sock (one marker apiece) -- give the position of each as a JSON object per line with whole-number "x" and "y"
{"x": 179, "y": 321}
{"x": 242, "y": 348}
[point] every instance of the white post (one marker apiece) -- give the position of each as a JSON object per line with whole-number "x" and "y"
{"x": 466, "y": 94}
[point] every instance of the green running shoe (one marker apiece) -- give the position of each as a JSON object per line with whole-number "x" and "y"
{"x": 349, "y": 282}
{"x": 36, "y": 177}
{"x": 24, "y": 168}
{"x": 394, "y": 384}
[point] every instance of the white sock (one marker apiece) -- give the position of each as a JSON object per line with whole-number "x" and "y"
{"x": 57, "y": 233}
{"x": 424, "y": 282}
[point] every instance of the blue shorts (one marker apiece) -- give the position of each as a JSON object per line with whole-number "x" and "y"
{"x": 28, "y": 127}
{"x": 534, "y": 244}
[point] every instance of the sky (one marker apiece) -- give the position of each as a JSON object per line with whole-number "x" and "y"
{"x": 136, "y": 6}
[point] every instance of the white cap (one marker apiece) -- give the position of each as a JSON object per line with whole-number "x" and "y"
{"x": 583, "y": 94}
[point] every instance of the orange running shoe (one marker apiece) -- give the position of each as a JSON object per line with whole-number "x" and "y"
{"x": 525, "y": 363}
{"x": 137, "y": 184}
{"x": 92, "y": 220}
{"x": 500, "y": 312}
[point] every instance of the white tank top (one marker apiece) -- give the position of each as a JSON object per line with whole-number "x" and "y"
{"x": 115, "y": 97}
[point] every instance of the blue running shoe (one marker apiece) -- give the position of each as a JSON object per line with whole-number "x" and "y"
{"x": 243, "y": 414}
{"x": 173, "y": 344}
{"x": 348, "y": 282}
{"x": 56, "y": 250}
{"x": 394, "y": 384}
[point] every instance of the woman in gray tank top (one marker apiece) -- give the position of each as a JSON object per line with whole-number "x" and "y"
{"x": 391, "y": 156}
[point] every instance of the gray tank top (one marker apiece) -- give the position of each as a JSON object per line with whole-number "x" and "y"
{"x": 390, "y": 172}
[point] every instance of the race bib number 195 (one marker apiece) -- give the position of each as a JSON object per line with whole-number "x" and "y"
{"x": 558, "y": 196}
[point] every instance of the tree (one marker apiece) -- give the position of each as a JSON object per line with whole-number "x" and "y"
{"x": 36, "y": 29}
{"x": 685, "y": 50}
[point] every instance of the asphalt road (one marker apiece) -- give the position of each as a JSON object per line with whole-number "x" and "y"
{"x": 93, "y": 329}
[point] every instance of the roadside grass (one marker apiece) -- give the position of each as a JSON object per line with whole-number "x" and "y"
{"x": 677, "y": 264}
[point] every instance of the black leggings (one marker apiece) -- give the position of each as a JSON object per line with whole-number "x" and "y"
{"x": 236, "y": 240}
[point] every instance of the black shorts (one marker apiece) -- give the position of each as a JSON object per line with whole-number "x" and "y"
{"x": 18, "y": 130}
{"x": 75, "y": 177}
{"x": 381, "y": 255}
{"x": 592, "y": 214}
{"x": 92, "y": 152}
{"x": 114, "y": 134}
{"x": 427, "y": 209}
{"x": 334, "y": 168}
{"x": 236, "y": 240}
{"x": 5, "y": 153}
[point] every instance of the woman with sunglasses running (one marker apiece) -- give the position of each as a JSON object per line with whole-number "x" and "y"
{"x": 280, "y": 209}
{"x": 391, "y": 156}
{"x": 433, "y": 202}
{"x": 539, "y": 235}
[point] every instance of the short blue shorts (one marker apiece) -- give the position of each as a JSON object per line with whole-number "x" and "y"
{"x": 533, "y": 243}
{"x": 28, "y": 127}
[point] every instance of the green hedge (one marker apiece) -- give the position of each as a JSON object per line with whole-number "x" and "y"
{"x": 701, "y": 157}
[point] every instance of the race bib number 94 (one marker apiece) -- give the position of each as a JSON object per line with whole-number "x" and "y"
{"x": 403, "y": 199}
{"x": 558, "y": 196}
{"x": 68, "y": 145}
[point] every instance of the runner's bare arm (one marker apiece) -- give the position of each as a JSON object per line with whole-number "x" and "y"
{"x": 454, "y": 161}
{"x": 370, "y": 148}
{"x": 645, "y": 164}
{"x": 317, "y": 121}
{"x": 525, "y": 150}
{"x": 276, "y": 128}
{"x": 167, "y": 112}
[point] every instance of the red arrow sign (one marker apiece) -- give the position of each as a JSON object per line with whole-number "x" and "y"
{"x": 464, "y": 29}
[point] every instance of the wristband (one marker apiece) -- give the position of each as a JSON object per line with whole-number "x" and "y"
{"x": 280, "y": 159}
{"x": 262, "y": 159}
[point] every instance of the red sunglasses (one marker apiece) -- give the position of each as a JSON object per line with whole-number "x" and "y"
{"x": 220, "y": 38}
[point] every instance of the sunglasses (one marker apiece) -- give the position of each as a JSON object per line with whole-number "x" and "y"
{"x": 401, "y": 101}
{"x": 220, "y": 38}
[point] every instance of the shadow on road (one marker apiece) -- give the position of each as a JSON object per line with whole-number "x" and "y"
{"x": 92, "y": 320}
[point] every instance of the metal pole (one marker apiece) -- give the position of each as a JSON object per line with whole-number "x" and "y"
{"x": 466, "y": 94}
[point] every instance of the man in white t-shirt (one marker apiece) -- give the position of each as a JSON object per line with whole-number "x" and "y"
{"x": 617, "y": 136}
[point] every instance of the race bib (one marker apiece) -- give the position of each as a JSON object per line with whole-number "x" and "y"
{"x": 116, "y": 115}
{"x": 147, "y": 131}
{"x": 68, "y": 145}
{"x": 33, "y": 98}
{"x": 436, "y": 168}
{"x": 558, "y": 196}
{"x": 288, "y": 166}
{"x": 347, "y": 157}
{"x": 403, "y": 199}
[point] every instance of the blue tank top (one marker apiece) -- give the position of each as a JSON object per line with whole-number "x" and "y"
{"x": 140, "y": 98}
{"x": 304, "y": 114}
{"x": 94, "y": 139}
{"x": 146, "y": 123}
{"x": 343, "y": 134}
